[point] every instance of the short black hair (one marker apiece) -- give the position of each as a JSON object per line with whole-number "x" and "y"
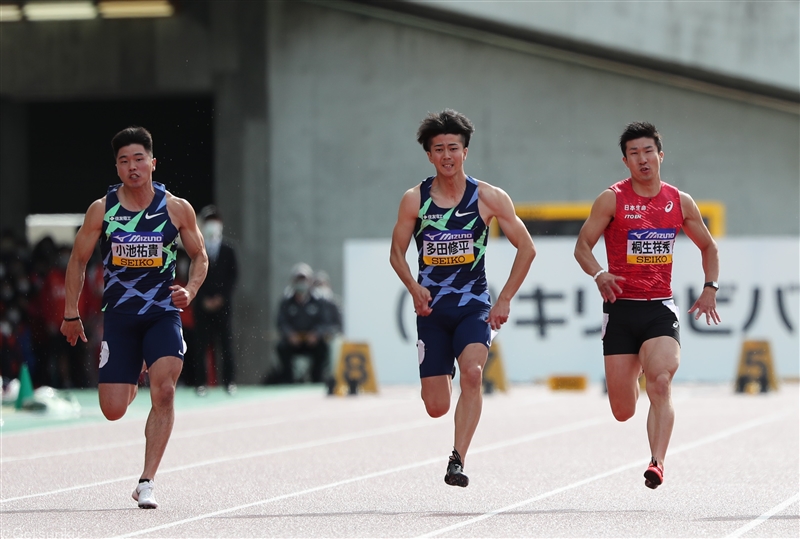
{"x": 132, "y": 135}
{"x": 636, "y": 130}
{"x": 447, "y": 122}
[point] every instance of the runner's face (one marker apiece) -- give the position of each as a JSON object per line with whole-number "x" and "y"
{"x": 134, "y": 165}
{"x": 447, "y": 154}
{"x": 643, "y": 159}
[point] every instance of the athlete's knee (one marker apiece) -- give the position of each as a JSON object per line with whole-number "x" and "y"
{"x": 658, "y": 386}
{"x": 113, "y": 410}
{"x": 435, "y": 404}
{"x": 437, "y": 407}
{"x": 623, "y": 411}
{"x": 472, "y": 378}
{"x": 163, "y": 394}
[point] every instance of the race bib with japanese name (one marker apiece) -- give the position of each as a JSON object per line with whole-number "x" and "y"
{"x": 447, "y": 248}
{"x": 652, "y": 246}
{"x": 137, "y": 249}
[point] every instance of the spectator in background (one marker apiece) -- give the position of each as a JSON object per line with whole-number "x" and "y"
{"x": 212, "y": 306}
{"x": 18, "y": 291}
{"x": 190, "y": 357}
{"x": 303, "y": 326}
{"x": 333, "y": 313}
{"x": 31, "y": 283}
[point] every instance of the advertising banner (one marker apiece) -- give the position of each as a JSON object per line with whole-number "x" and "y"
{"x": 556, "y": 317}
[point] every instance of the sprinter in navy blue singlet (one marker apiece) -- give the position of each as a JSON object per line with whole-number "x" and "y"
{"x": 448, "y": 216}
{"x": 138, "y": 223}
{"x": 451, "y": 243}
{"x": 139, "y": 252}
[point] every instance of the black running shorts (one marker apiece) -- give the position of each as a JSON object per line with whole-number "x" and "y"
{"x": 628, "y": 323}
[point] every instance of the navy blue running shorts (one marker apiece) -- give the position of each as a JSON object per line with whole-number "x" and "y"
{"x": 628, "y": 323}
{"x": 130, "y": 338}
{"x": 443, "y": 335}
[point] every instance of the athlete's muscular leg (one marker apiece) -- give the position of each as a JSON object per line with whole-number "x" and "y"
{"x": 622, "y": 381}
{"x": 470, "y": 402}
{"x": 660, "y": 359}
{"x": 115, "y": 398}
{"x": 163, "y": 378}
{"x": 436, "y": 394}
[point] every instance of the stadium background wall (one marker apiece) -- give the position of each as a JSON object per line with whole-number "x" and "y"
{"x": 315, "y": 107}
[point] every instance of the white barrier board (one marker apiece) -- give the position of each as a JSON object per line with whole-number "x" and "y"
{"x": 554, "y": 326}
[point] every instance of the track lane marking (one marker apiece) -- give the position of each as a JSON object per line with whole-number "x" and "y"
{"x": 680, "y": 449}
{"x": 191, "y": 433}
{"x": 491, "y": 447}
{"x": 766, "y": 516}
{"x": 252, "y": 454}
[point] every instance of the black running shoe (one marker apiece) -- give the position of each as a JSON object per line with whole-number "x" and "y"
{"x": 455, "y": 471}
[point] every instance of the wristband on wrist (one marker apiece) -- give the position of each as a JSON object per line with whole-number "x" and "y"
{"x": 596, "y": 275}
{"x": 72, "y": 319}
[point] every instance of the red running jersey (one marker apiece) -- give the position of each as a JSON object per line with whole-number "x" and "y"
{"x": 640, "y": 240}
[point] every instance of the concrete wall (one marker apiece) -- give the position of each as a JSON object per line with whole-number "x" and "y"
{"x": 757, "y": 40}
{"x": 216, "y": 48}
{"x": 348, "y": 90}
{"x": 317, "y": 105}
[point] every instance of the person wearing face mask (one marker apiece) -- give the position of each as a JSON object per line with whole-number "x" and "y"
{"x": 302, "y": 324}
{"x": 212, "y": 307}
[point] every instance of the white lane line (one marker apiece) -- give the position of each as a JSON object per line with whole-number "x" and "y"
{"x": 223, "y": 460}
{"x": 140, "y": 441}
{"x": 766, "y": 516}
{"x": 685, "y": 447}
{"x": 522, "y": 439}
{"x": 136, "y": 413}
{"x": 181, "y": 435}
{"x": 175, "y": 436}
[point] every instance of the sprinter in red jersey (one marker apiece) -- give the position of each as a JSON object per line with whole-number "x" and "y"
{"x": 640, "y": 218}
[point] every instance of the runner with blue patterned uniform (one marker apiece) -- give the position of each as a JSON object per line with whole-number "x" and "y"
{"x": 139, "y": 251}
{"x": 138, "y": 222}
{"x": 451, "y": 243}
{"x": 448, "y": 216}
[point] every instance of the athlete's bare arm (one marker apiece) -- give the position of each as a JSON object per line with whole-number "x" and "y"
{"x": 82, "y": 249}
{"x": 183, "y": 217}
{"x": 603, "y": 210}
{"x": 696, "y": 230}
{"x": 494, "y": 202}
{"x": 401, "y": 237}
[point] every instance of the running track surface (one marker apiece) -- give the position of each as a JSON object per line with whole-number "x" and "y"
{"x": 272, "y": 462}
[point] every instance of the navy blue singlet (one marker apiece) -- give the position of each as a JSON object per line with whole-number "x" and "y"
{"x": 451, "y": 243}
{"x": 139, "y": 253}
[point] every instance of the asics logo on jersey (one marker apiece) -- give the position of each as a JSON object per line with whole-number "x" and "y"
{"x": 668, "y": 207}
{"x": 148, "y": 216}
{"x": 459, "y": 214}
